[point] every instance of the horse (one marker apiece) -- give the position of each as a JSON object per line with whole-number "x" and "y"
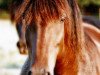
{"x": 91, "y": 26}
{"x": 56, "y": 38}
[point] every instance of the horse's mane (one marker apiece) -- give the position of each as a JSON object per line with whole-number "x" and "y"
{"x": 35, "y": 9}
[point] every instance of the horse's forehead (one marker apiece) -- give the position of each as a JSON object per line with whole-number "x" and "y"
{"x": 51, "y": 10}
{"x": 39, "y": 22}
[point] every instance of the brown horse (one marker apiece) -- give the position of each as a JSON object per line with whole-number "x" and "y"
{"x": 56, "y": 38}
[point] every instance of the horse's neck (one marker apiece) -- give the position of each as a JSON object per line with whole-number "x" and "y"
{"x": 89, "y": 57}
{"x": 94, "y": 33}
{"x": 66, "y": 62}
{"x": 86, "y": 62}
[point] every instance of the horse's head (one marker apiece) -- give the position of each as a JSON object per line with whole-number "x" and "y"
{"x": 45, "y": 35}
{"x": 45, "y": 43}
{"x": 50, "y": 30}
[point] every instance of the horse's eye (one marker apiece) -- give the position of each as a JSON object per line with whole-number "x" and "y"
{"x": 62, "y": 19}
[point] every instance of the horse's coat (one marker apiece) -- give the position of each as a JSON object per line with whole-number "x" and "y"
{"x": 56, "y": 39}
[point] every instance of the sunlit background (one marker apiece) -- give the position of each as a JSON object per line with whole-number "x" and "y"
{"x": 11, "y": 60}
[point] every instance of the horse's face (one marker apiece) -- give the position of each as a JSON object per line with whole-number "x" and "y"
{"x": 45, "y": 22}
{"x": 44, "y": 41}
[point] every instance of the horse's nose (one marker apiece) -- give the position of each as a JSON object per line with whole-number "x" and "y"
{"x": 40, "y": 72}
{"x": 48, "y": 73}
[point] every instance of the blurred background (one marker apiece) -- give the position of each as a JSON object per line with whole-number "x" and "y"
{"x": 90, "y": 7}
{"x": 11, "y": 60}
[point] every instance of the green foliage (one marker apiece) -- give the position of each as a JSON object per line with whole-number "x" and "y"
{"x": 87, "y": 2}
{"x": 4, "y": 4}
{"x": 4, "y": 15}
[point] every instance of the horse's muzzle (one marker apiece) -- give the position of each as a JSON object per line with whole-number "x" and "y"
{"x": 39, "y": 72}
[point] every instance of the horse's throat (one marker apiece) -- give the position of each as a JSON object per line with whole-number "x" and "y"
{"x": 66, "y": 63}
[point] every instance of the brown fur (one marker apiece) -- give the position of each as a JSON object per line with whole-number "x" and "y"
{"x": 77, "y": 49}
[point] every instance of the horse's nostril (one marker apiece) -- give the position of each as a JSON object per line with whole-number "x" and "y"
{"x": 48, "y": 73}
{"x": 29, "y": 73}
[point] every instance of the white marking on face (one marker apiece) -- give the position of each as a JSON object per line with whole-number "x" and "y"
{"x": 55, "y": 34}
{"x": 47, "y": 48}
